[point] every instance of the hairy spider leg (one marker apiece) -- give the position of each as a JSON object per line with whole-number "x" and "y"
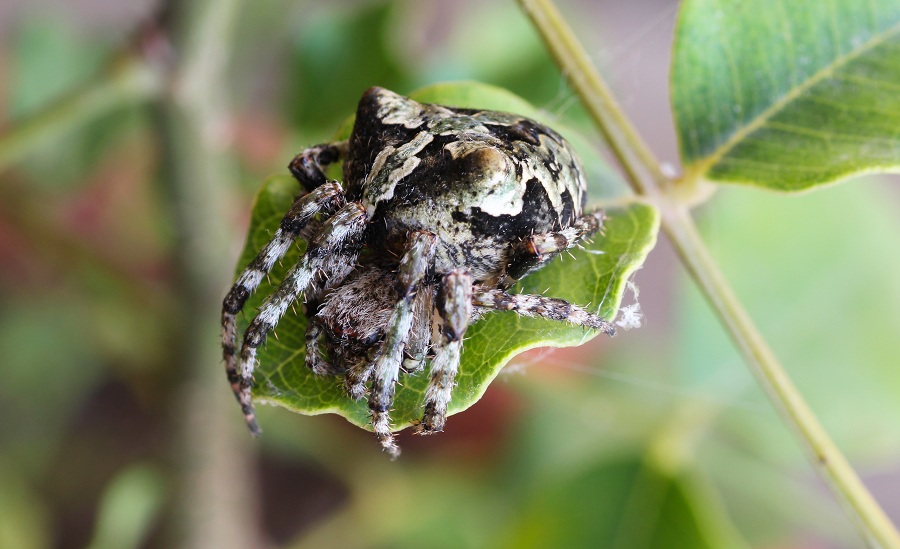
{"x": 455, "y": 307}
{"x": 538, "y": 249}
{"x": 415, "y": 352}
{"x": 539, "y": 305}
{"x": 534, "y": 251}
{"x": 357, "y": 376}
{"x": 315, "y": 335}
{"x": 415, "y": 264}
{"x": 308, "y": 167}
{"x": 341, "y": 235}
{"x": 420, "y": 334}
{"x": 325, "y": 198}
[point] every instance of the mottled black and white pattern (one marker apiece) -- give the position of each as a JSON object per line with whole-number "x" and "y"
{"x": 440, "y": 211}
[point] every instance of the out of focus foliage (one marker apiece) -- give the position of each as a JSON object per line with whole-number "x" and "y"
{"x": 659, "y": 438}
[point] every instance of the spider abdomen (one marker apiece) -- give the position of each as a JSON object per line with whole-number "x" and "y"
{"x": 481, "y": 181}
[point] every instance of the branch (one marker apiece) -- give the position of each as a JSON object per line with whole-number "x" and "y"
{"x": 127, "y": 79}
{"x": 646, "y": 178}
{"x": 217, "y": 504}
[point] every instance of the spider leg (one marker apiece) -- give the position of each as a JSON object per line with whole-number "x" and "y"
{"x": 340, "y": 235}
{"x": 308, "y": 167}
{"x": 357, "y": 376}
{"x": 414, "y": 265}
{"x": 538, "y": 305}
{"x": 455, "y": 307}
{"x": 537, "y": 249}
{"x": 318, "y": 364}
{"x": 420, "y": 334}
{"x": 324, "y": 198}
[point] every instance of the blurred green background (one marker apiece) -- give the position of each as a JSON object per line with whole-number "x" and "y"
{"x": 121, "y": 219}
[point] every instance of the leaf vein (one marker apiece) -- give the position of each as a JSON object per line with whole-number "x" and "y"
{"x": 826, "y": 136}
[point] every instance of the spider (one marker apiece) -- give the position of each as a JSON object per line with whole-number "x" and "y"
{"x": 441, "y": 210}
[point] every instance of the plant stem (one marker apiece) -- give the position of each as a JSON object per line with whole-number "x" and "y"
{"x": 217, "y": 505}
{"x": 646, "y": 177}
{"x": 127, "y": 79}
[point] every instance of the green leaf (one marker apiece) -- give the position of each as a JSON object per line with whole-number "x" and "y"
{"x": 787, "y": 95}
{"x": 585, "y": 278}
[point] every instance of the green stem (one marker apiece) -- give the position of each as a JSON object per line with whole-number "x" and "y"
{"x": 126, "y": 80}
{"x": 646, "y": 177}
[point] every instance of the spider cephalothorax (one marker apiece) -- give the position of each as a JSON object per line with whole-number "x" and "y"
{"x": 440, "y": 211}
